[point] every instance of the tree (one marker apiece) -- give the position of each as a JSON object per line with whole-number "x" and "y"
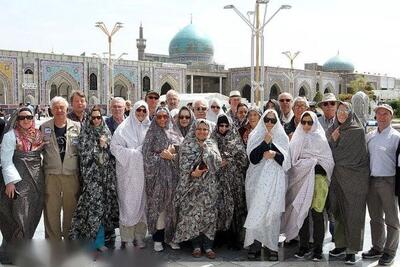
{"x": 318, "y": 97}
{"x": 360, "y": 83}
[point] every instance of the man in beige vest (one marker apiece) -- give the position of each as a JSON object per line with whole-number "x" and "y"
{"x": 60, "y": 160}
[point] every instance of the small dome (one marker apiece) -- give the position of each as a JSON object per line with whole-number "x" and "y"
{"x": 338, "y": 64}
{"x": 191, "y": 45}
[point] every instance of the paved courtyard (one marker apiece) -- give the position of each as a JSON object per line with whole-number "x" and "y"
{"x": 225, "y": 258}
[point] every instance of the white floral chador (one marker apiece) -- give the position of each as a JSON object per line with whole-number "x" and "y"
{"x": 266, "y": 187}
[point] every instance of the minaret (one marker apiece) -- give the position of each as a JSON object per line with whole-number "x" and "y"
{"x": 141, "y": 43}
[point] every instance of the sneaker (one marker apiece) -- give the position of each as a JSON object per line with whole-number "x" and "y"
{"x": 140, "y": 243}
{"x": 174, "y": 246}
{"x": 372, "y": 254}
{"x": 337, "y": 252}
{"x": 386, "y": 260}
{"x": 350, "y": 259}
{"x": 158, "y": 246}
{"x": 317, "y": 256}
{"x": 303, "y": 252}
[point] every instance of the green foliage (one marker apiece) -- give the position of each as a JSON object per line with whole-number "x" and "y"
{"x": 345, "y": 97}
{"x": 318, "y": 97}
{"x": 395, "y": 104}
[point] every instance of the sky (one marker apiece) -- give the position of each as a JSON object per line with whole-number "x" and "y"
{"x": 365, "y": 32}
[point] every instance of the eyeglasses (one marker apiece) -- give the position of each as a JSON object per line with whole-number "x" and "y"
{"x": 23, "y": 117}
{"x": 162, "y": 117}
{"x": 342, "y": 111}
{"x": 202, "y": 129}
{"x": 201, "y": 109}
{"x": 223, "y": 125}
{"x": 152, "y": 97}
{"x": 215, "y": 107}
{"x": 310, "y": 123}
{"x": 143, "y": 110}
{"x": 184, "y": 117}
{"x": 271, "y": 120}
{"x": 285, "y": 100}
{"x": 331, "y": 103}
{"x": 96, "y": 118}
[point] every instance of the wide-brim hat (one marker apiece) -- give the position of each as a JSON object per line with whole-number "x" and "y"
{"x": 234, "y": 93}
{"x": 384, "y": 106}
{"x": 328, "y": 97}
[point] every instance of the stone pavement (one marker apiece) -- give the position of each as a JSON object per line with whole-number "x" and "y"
{"x": 225, "y": 258}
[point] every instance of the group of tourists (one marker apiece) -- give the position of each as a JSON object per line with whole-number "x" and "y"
{"x": 201, "y": 176}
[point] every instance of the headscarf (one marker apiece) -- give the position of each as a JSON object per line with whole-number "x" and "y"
{"x": 185, "y": 130}
{"x": 277, "y": 107}
{"x": 29, "y": 139}
{"x": 131, "y": 130}
{"x": 211, "y": 116}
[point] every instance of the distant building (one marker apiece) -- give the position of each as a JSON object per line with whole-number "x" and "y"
{"x": 188, "y": 68}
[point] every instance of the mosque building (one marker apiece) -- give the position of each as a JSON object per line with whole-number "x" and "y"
{"x": 188, "y": 68}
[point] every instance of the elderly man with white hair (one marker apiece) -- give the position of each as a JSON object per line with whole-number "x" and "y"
{"x": 172, "y": 98}
{"x": 60, "y": 160}
{"x": 117, "y": 114}
{"x": 285, "y": 102}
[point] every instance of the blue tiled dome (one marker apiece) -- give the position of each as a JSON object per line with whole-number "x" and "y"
{"x": 190, "y": 44}
{"x": 338, "y": 64}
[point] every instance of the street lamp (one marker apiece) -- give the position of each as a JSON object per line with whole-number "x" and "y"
{"x": 117, "y": 27}
{"x": 257, "y": 39}
{"x": 291, "y": 75}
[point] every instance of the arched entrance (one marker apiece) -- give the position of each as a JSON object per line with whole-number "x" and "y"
{"x": 246, "y": 92}
{"x": 121, "y": 91}
{"x": 302, "y": 91}
{"x": 63, "y": 89}
{"x": 165, "y": 88}
{"x": 146, "y": 84}
{"x": 274, "y": 92}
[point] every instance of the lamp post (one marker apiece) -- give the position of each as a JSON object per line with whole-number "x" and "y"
{"x": 291, "y": 75}
{"x": 117, "y": 27}
{"x": 257, "y": 40}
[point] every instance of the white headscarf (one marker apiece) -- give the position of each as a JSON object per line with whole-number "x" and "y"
{"x": 131, "y": 129}
{"x": 211, "y": 115}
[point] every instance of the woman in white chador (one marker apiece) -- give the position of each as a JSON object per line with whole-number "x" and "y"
{"x": 268, "y": 151}
{"x": 126, "y": 146}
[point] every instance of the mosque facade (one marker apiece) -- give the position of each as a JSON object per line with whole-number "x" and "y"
{"x": 188, "y": 68}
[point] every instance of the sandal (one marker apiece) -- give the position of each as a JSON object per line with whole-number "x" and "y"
{"x": 273, "y": 256}
{"x": 211, "y": 254}
{"x": 196, "y": 253}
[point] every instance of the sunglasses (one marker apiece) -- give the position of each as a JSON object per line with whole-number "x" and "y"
{"x": 152, "y": 97}
{"x": 284, "y": 100}
{"x": 201, "y": 109}
{"x": 331, "y": 103}
{"x": 22, "y": 117}
{"x": 223, "y": 125}
{"x": 96, "y": 118}
{"x": 141, "y": 110}
{"x": 215, "y": 107}
{"x": 271, "y": 120}
{"x": 184, "y": 117}
{"x": 165, "y": 117}
{"x": 310, "y": 123}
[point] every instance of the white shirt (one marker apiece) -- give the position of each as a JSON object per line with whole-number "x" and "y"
{"x": 10, "y": 173}
{"x": 382, "y": 151}
{"x": 288, "y": 118}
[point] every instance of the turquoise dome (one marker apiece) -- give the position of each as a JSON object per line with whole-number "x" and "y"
{"x": 338, "y": 64}
{"x": 191, "y": 45}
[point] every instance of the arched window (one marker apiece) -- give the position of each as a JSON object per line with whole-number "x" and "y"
{"x": 28, "y": 76}
{"x": 165, "y": 88}
{"x": 146, "y": 84}
{"x": 274, "y": 93}
{"x": 246, "y": 92}
{"x": 302, "y": 91}
{"x": 92, "y": 82}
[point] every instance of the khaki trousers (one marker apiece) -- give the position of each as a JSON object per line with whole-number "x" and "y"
{"x": 383, "y": 210}
{"x": 61, "y": 192}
